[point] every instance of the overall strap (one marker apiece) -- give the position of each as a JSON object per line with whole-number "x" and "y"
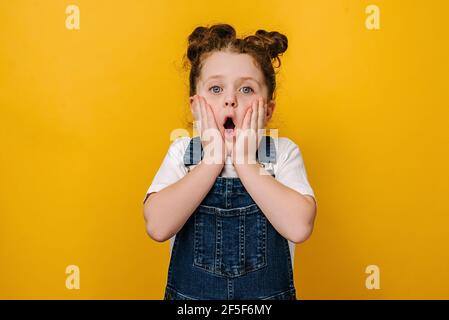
{"x": 194, "y": 151}
{"x": 267, "y": 150}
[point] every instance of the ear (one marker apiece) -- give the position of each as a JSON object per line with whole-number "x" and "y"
{"x": 270, "y": 110}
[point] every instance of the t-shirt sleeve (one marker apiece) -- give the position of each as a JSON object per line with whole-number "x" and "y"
{"x": 172, "y": 168}
{"x": 291, "y": 170}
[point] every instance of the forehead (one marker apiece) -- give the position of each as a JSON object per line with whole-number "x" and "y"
{"x": 231, "y": 66}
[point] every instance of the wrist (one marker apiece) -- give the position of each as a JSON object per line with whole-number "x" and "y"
{"x": 213, "y": 164}
{"x": 239, "y": 168}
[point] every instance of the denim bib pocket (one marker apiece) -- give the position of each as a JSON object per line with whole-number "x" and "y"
{"x": 230, "y": 242}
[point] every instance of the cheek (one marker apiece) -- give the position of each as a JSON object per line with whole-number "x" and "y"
{"x": 247, "y": 102}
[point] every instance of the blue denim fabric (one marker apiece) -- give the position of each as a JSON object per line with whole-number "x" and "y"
{"x": 228, "y": 249}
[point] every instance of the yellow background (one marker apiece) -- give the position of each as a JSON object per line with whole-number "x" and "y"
{"x": 85, "y": 119}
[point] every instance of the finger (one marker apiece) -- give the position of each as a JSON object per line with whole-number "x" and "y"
{"x": 213, "y": 125}
{"x": 202, "y": 106}
{"x": 203, "y": 116}
{"x": 254, "y": 116}
{"x": 247, "y": 119}
{"x": 196, "y": 113}
{"x": 260, "y": 120}
{"x": 211, "y": 116}
{"x": 213, "y": 134}
{"x": 261, "y": 114}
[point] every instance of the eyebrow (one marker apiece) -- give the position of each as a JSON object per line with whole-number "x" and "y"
{"x": 218, "y": 76}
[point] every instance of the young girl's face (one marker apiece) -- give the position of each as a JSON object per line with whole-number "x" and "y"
{"x": 230, "y": 82}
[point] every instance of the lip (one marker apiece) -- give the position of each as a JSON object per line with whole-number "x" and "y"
{"x": 226, "y": 118}
{"x": 228, "y": 133}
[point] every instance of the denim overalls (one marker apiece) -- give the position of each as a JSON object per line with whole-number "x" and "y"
{"x": 228, "y": 249}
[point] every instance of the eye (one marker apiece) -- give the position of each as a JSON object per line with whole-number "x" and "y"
{"x": 214, "y": 91}
{"x": 251, "y": 89}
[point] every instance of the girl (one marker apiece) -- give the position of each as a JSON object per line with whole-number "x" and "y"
{"x": 233, "y": 213}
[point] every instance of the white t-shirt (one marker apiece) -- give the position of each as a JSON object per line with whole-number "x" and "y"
{"x": 289, "y": 169}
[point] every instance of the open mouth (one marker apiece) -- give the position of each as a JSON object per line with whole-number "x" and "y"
{"x": 229, "y": 126}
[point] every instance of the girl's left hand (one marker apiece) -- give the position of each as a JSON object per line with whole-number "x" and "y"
{"x": 251, "y": 131}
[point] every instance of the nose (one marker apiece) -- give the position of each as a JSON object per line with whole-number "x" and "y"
{"x": 230, "y": 102}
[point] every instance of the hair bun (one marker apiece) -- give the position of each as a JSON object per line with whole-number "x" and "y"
{"x": 195, "y": 39}
{"x": 197, "y": 35}
{"x": 276, "y": 43}
{"x": 202, "y": 37}
{"x": 222, "y": 32}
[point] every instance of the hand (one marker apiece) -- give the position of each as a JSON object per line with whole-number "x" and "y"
{"x": 211, "y": 138}
{"x": 251, "y": 131}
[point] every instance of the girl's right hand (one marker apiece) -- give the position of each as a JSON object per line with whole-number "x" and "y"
{"x": 205, "y": 124}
